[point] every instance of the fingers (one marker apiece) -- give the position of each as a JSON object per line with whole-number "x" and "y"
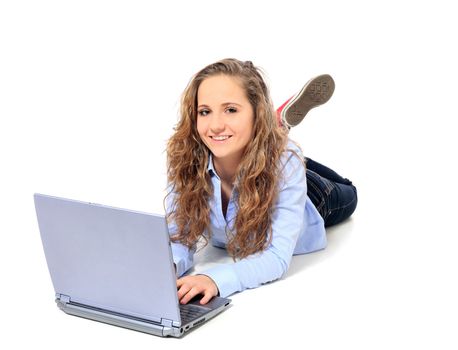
{"x": 188, "y": 296}
{"x": 188, "y": 290}
{"x": 190, "y": 286}
{"x": 207, "y": 297}
{"x": 183, "y": 291}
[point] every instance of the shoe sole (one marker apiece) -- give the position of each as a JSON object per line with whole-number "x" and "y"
{"x": 315, "y": 93}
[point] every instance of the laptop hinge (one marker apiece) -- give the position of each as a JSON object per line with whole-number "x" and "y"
{"x": 63, "y": 298}
{"x": 166, "y": 322}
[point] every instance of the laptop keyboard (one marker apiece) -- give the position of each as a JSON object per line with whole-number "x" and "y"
{"x": 189, "y": 312}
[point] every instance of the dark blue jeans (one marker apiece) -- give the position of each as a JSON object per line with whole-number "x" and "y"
{"x": 334, "y": 196}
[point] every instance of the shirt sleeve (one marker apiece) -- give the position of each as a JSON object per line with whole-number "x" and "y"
{"x": 183, "y": 257}
{"x": 287, "y": 223}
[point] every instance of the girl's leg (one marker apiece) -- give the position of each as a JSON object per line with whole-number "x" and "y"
{"x": 334, "y": 196}
{"x": 342, "y": 204}
{"x": 325, "y": 172}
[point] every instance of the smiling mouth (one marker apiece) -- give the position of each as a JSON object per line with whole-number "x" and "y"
{"x": 220, "y": 138}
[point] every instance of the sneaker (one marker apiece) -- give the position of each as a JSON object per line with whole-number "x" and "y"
{"x": 316, "y": 92}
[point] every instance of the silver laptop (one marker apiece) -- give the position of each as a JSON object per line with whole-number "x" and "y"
{"x": 115, "y": 266}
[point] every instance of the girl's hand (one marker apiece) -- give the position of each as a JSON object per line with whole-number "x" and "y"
{"x": 190, "y": 286}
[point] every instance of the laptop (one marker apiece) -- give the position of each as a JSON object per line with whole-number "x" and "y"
{"x": 115, "y": 266}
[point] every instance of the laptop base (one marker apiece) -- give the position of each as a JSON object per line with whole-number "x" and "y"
{"x": 138, "y": 324}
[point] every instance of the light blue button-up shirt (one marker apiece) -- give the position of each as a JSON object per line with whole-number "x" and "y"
{"x": 297, "y": 228}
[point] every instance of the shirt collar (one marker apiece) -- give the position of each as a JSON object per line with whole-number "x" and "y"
{"x": 211, "y": 168}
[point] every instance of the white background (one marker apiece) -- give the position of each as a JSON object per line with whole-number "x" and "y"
{"x": 89, "y": 94}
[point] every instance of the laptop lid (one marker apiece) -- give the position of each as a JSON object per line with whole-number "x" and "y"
{"x": 109, "y": 258}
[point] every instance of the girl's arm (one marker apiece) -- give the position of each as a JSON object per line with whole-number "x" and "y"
{"x": 183, "y": 257}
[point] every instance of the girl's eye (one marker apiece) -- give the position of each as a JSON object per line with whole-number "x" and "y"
{"x": 203, "y": 112}
{"x": 231, "y": 110}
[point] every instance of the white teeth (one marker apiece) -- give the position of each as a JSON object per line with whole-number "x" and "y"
{"x": 220, "y": 138}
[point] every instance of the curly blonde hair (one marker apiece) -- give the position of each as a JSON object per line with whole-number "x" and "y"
{"x": 257, "y": 176}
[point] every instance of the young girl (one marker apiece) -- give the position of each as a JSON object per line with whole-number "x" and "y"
{"x": 235, "y": 179}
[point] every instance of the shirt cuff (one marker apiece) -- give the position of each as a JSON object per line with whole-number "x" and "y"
{"x": 225, "y": 279}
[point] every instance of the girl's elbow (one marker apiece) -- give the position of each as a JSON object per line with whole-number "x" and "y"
{"x": 282, "y": 267}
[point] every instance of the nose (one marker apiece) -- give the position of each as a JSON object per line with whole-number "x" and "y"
{"x": 217, "y": 123}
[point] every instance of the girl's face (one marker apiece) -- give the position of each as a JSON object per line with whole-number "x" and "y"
{"x": 225, "y": 117}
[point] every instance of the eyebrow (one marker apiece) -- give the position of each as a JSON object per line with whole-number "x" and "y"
{"x": 223, "y": 104}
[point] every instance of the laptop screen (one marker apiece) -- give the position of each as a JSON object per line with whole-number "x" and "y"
{"x": 109, "y": 258}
